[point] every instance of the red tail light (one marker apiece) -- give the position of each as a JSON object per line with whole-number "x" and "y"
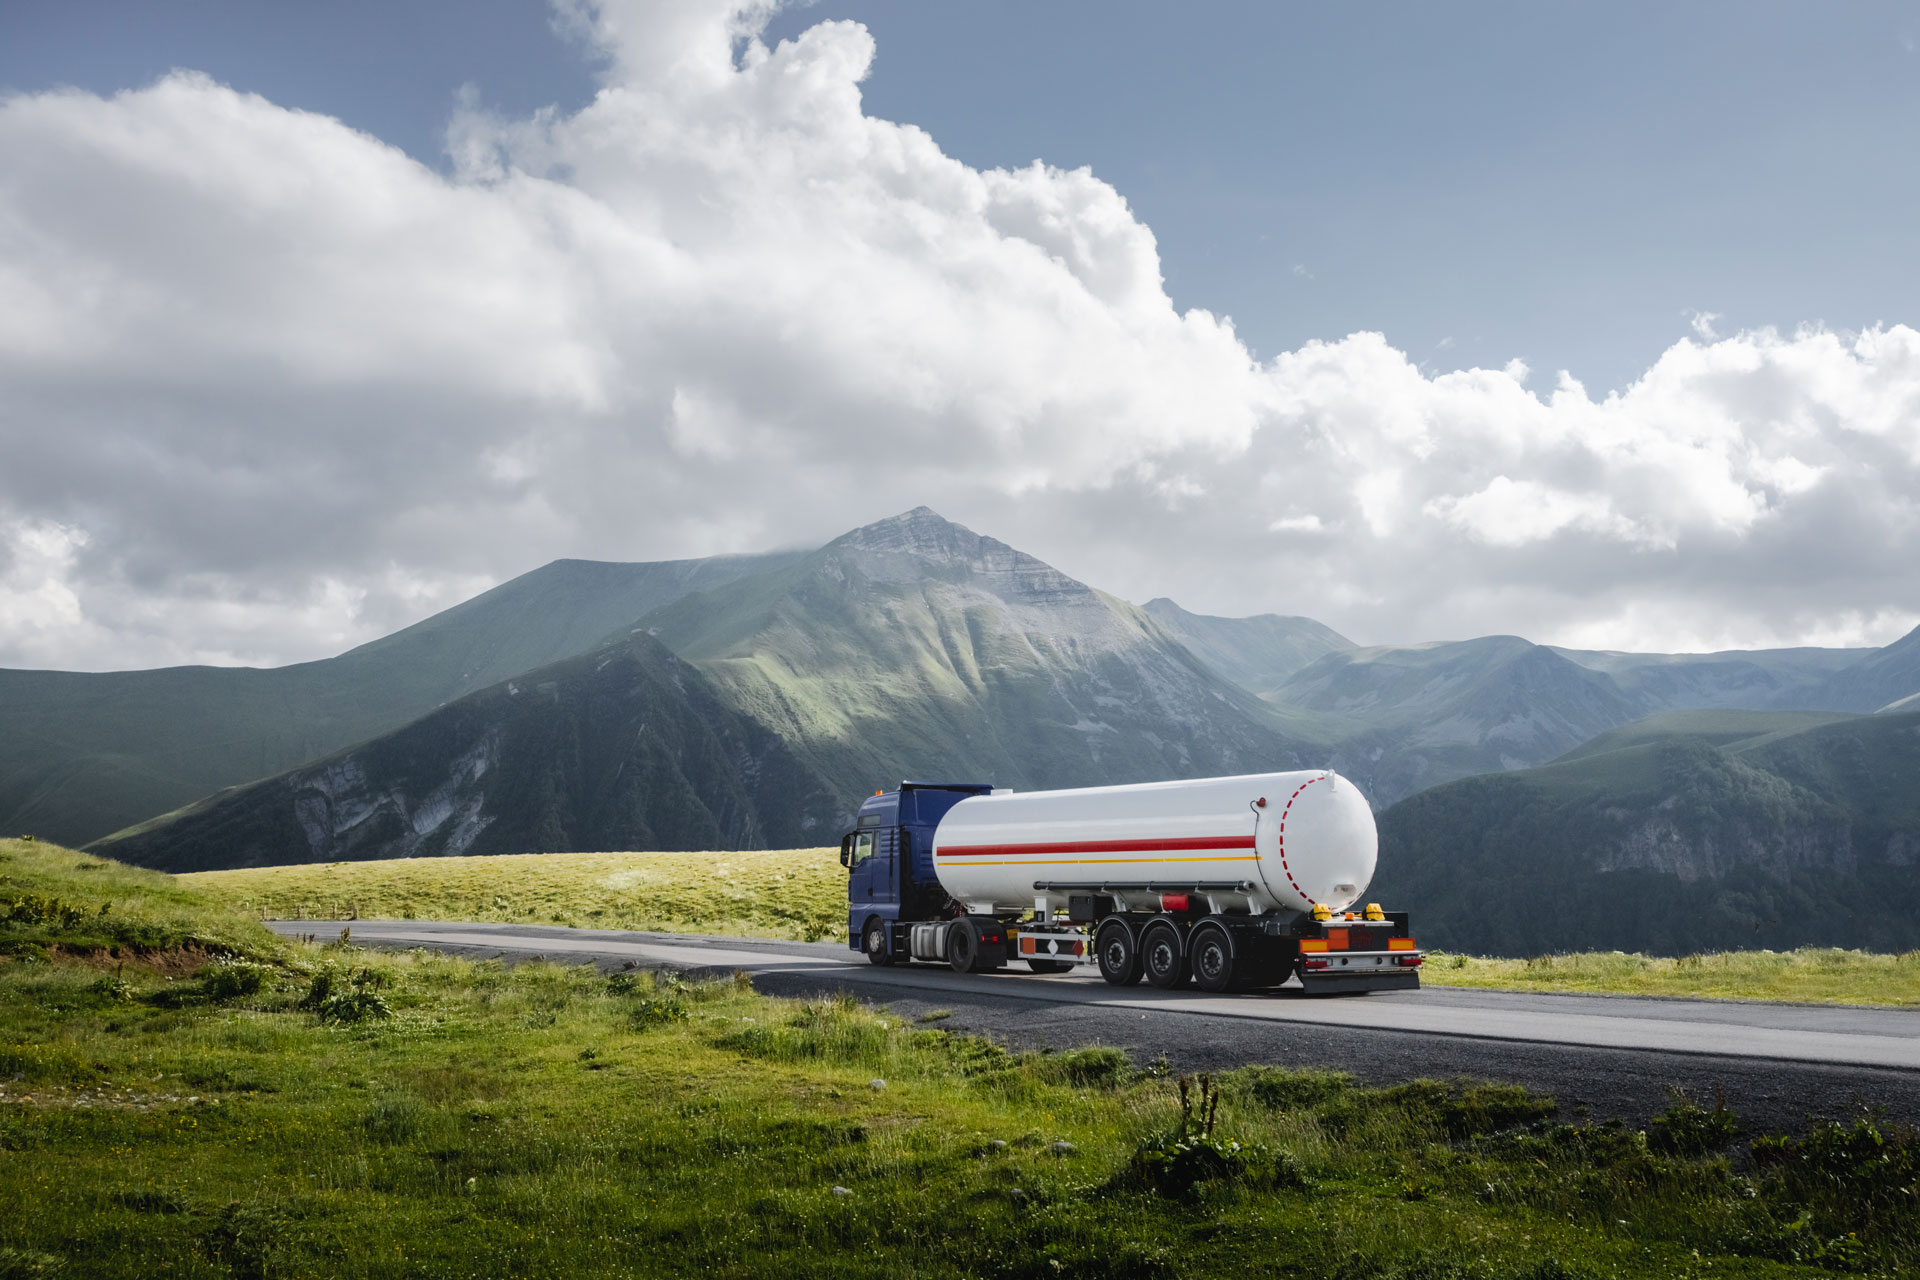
{"x": 1412, "y": 962}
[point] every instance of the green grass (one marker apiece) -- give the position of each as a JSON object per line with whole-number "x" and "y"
{"x": 793, "y": 893}
{"x": 1823, "y": 974}
{"x": 545, "y": 1121}
{"x": 60, "y": 900}
{"x": 332, "y": 1113}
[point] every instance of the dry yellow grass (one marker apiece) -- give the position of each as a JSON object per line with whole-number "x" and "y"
{"x": 789, "y": 893}
{"x": 1826, "y": 975}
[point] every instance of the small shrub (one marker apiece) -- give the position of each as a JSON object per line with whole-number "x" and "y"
{"x": 659, "y": 1011}
{"x": 1179, "y": 1164}
{"x": 227, "y": 979}
{"x": 1851, "y": 1190}
{"x": 357, "y": 1005}
{"x": 347, "y": 999}
{"x": 112, "y": 988}
{"x": 1489, "y": 1108}
{"x": 1278, "y": 1089}
{"x": 32, "y": 908}
{"x": 1099, "y": 1067}
{"x": 1175, "y": 1165}
{"x": 1689, "y": 1131}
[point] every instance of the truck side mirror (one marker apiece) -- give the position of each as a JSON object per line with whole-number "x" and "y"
{"x": 846, "y": 851}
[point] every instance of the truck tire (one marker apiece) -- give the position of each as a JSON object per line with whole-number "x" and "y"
{"x": 1118, "y": 953}
{"x": 1210, "y": 956}
{"x": 874, "y": 942}
{"x": 968, "y": 952}
{"x": 1162, "y": 955}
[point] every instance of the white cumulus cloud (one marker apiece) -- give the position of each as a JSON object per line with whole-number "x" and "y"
{"x": 277, "y": 388}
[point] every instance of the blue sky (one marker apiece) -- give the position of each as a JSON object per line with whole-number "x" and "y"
{"x": 672, "y": 278}
{"x": 1565, "y": 183}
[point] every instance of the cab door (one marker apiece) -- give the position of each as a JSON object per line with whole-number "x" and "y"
{"x": 874, "y": 873}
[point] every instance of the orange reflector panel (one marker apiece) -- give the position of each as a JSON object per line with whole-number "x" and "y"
{"x": 1337, "y": 939}
{"x": 1313, "y": 944}
{"x": 1400, "y": 944}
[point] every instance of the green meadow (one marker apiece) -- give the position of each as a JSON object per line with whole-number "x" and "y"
{"x": 1816, "y": 974}
{"x": 182, "y": 1094}
{"x": 799, "y": 894}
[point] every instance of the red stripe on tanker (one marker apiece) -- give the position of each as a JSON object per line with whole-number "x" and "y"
{"x": 990, "y": 850}
{"x": 1161, "y": 844}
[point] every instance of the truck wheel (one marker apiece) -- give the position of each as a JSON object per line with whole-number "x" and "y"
{"x": 874, "y": 942}
{"x": 1119, "y": 957}
{"x": 1162, "y": 956}
{"x": 967, "y": 952}
{"x": 1210, "y": 953}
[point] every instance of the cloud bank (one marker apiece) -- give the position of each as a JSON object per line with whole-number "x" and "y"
{"x": 269, "y": 387}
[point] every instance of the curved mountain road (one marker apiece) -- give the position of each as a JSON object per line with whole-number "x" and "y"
{"x": 1607, "y": 1055}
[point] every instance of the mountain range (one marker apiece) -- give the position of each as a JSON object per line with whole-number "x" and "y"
{"x": 599, "y": 706}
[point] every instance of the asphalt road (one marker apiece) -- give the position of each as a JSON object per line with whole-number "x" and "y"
{"x": 1780, "y": 1065}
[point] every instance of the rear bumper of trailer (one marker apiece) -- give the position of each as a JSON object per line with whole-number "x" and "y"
{"x": 1331, "y": 984}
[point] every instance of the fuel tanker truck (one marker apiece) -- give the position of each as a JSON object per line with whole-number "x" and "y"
{"x": 1232, "y": 884}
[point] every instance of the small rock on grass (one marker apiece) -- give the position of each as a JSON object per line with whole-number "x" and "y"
{"x": 841, "y": 1191}
{"x": 877, "y": 1086}
{"x": 1063, "y": 1148}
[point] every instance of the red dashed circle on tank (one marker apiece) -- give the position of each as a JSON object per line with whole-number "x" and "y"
{"x": 1283, "y": 835}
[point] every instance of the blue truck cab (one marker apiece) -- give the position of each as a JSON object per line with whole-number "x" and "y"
{"x": 889, "y": 861}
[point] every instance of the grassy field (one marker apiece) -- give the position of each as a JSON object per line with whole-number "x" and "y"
{"x": 789, "y": 893}
{"x": 1811, "y": 974}
{"x": 293, "y": 1111}
{"x": 801, "y": 894}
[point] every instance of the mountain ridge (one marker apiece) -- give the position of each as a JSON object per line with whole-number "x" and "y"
{"x": 89, "y": 753}
{"x": 623, "y": 748}
{"x": 916, "y": 646}
{"x": 1769, "y": 833}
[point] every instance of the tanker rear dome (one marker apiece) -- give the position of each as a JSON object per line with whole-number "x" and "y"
{"x": 1328, "y": 845}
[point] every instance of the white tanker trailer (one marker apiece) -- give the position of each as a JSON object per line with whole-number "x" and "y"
{"x": 1232, "y": 883}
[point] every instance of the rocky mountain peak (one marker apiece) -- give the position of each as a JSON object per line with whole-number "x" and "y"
{"x": 921, "y": 544}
